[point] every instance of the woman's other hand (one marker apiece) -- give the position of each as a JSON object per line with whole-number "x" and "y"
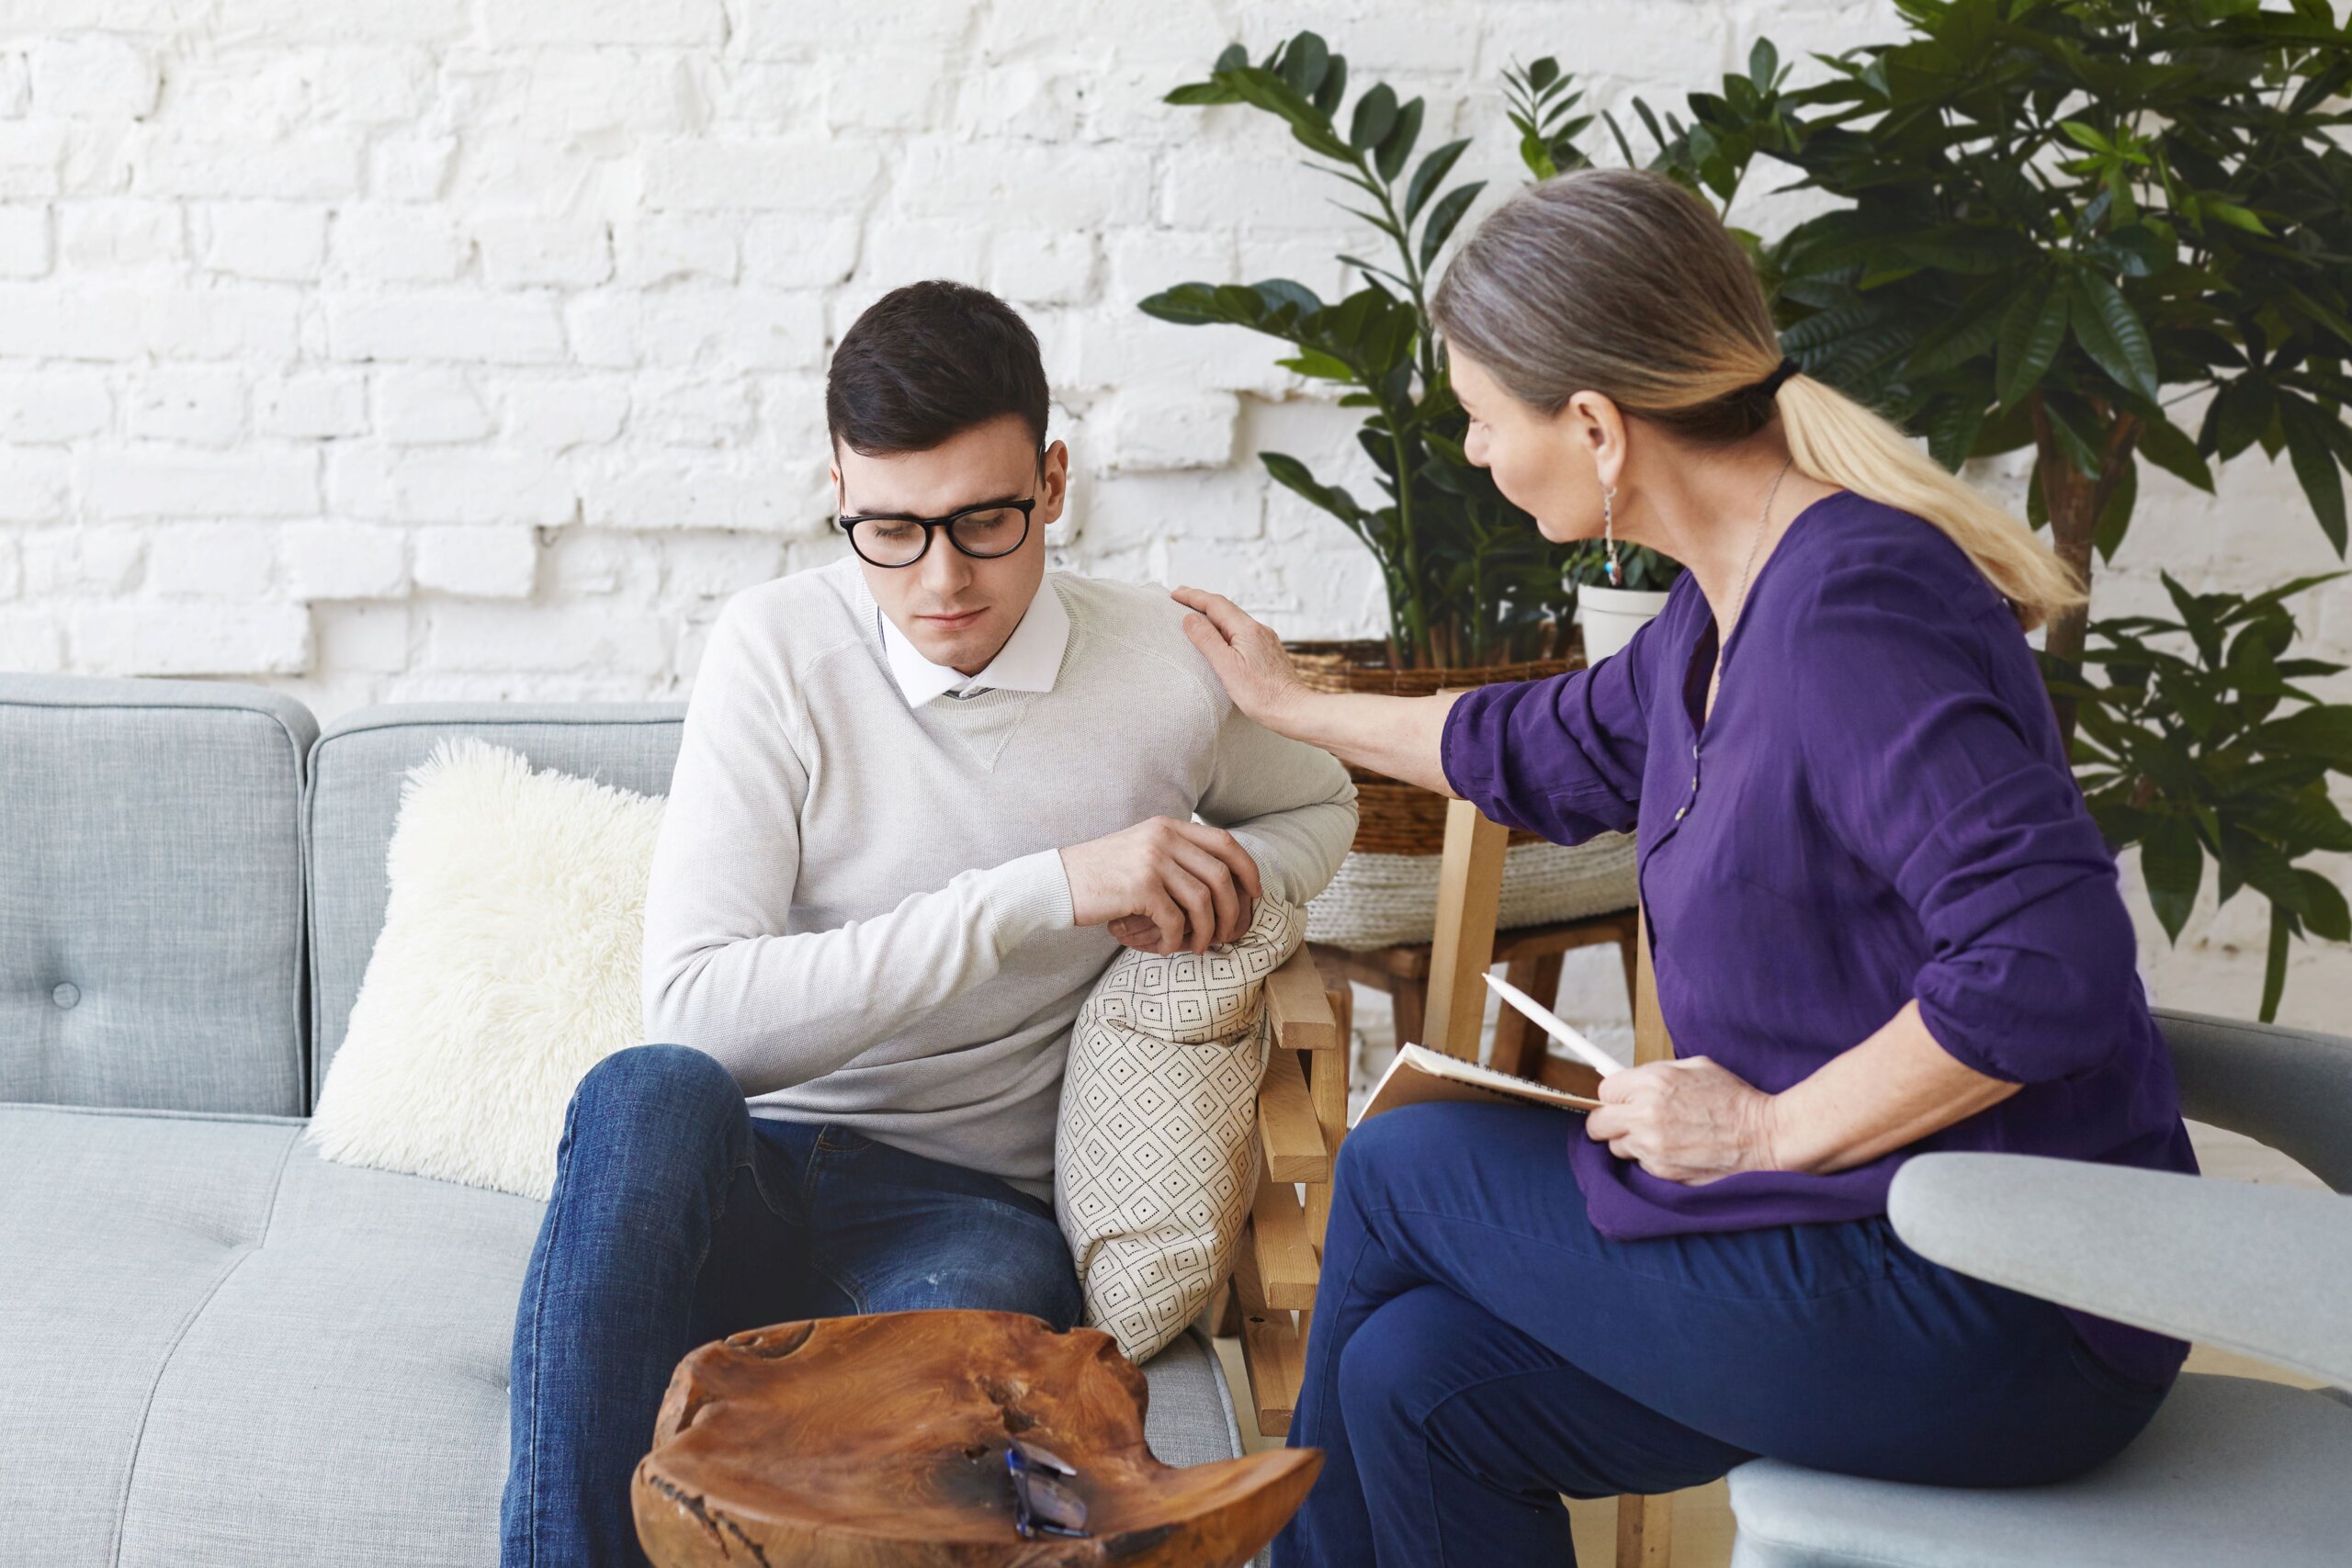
{"x": 1686, "y": 1119}
{"x": 1245, "y": 652}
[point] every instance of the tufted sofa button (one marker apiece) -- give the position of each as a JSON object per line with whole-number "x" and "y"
{"x": 66, "y": 994}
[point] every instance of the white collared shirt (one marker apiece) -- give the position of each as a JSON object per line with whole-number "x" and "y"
{"x": 1028, "y": 661}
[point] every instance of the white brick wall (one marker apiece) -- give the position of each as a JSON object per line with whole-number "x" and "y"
{"x": 461, "y": 348}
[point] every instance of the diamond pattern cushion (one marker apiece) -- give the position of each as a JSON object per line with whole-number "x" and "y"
{"x": 1154, "y": 1155}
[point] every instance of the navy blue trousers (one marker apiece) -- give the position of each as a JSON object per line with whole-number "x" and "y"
{"x": 1478, "y": 1350}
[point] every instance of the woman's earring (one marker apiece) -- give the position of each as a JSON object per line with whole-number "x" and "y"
{"x": 1608, "y": 535}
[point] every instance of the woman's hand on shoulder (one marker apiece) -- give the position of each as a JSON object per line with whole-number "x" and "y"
{"x": 1687, "y": 1119}
{"x": 1246, "y": 653}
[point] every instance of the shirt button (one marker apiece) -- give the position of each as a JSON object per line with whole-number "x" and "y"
{"x": 66, "y": 994}
{"x": 1679, "y": 811}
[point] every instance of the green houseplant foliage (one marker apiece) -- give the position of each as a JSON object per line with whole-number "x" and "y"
{"x": 2200, "y": 738}
{"x": 1467, "y": 578}
{"x": 2064, "y": 216}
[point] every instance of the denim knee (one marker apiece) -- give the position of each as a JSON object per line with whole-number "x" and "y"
{"x": 670, "y": 1097}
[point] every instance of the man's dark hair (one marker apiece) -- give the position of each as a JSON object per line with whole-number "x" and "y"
{"x": 928, "y": 360}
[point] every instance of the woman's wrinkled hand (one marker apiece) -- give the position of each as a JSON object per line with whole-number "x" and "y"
{"x": 1686, "y": 1119}
{"x": 1245, "y": 652}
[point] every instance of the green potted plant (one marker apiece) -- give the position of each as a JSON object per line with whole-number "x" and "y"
{"x": 2059, "y": 220}
{"x": 1474, "y": 593}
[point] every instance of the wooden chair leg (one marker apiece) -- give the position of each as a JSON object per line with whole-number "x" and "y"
{"x": 1645, "y": 1531}
{"x": 1628, "y": 944}
{"x": 1520, "y": 1047}
{"x": 1469, "y": 898}
{"x": 1410, "y": 1001}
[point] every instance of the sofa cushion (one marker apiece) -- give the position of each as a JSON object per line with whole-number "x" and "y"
{"x": 218, "y": 1351}
{"x": 354, "y": 800}
{"x": 151, "y": 877}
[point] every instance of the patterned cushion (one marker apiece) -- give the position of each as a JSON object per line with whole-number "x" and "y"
{"x": 1156, "y": 1158}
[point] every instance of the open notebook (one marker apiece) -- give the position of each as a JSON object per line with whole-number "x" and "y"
{"x": 1420, "y": 1074}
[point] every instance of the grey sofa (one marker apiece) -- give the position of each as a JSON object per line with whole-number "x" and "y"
{"x": 218, "y": 1351}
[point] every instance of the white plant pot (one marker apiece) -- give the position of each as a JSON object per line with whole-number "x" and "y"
{"x": 1611, "y": 616}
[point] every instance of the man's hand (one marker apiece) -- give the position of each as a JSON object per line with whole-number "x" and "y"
{"x": 1164, "y": 886}
{"x": 1686, "y": 1119}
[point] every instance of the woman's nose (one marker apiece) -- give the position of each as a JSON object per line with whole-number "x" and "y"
{"x": 1474, "y": 446}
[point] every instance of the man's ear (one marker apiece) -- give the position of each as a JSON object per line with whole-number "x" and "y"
{"x": 1053, "y": 489}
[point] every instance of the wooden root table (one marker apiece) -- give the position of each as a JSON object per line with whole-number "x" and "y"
{"x": 878, "y": 1442}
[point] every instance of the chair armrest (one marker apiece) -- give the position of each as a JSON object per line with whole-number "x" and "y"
{"x": 1302, "y": 1013}
{"x": 2290, "y": 1089}
{"x": 2266, "y": 1271}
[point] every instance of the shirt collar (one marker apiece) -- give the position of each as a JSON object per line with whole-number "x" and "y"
{"x": 1028, "y": 661}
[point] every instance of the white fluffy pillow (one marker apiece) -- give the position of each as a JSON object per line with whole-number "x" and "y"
{"x": 507, "y": 967}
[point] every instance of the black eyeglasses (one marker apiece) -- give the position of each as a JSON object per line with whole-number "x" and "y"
{"x": 1041, "y": 1504}
{"x": 990, "y": 529}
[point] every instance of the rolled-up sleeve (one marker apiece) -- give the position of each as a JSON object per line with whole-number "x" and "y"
{"x": 1561, "y": 756}
{"x": 1914, "y": 714}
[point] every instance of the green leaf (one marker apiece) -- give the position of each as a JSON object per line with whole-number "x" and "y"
{"x": 2164, "y": 444}
{"x": 2173, "y": 864}
{"x": 2236, "y": 217}
{"x": 1398, "y": 145}
{"x": 2084, "y": 136}
{"x": 2324, "y": 911}
{"x": 1433, "y": 169}
{"x": 1763, "y": 64}
{"x": 2110, "y": 332}
{"x": 1444, "y": 216}
{"x": 1303, "y": 62}
{"x": 2238, "y": 415}
{"x": 2030, "y": 334}
{"x": 1320, "y": 365}
{"x": 2115, "y": 517}
{"x": 1333, "y": 87}
{"x": 1292, "y": 474}
{"x": 1951, "y": 434}
{"x": 1376, "y": 116}
{"x": 2322, "y": 732}
{"x": 2314, "y": 465}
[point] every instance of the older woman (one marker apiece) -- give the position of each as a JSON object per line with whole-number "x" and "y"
{"x": 1881, "y": 918}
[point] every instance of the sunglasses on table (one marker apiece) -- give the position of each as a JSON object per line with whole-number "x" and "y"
{"x": 1041, "y": 1505}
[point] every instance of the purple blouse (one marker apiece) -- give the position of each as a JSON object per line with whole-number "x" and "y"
{"x": 1878, "y": 808}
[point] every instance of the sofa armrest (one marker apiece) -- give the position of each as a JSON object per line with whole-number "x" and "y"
{"x": 2289, "y": 1089}
{"x": 2266, "y": 1271}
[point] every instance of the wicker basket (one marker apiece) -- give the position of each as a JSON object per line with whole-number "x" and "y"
{"x": 1394, "y": 818}
{"x": 1385, "y": 892}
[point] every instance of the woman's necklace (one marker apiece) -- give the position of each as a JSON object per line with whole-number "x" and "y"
{"x": 1740, "y": 603}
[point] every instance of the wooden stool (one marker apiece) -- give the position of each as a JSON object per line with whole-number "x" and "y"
{"x": 1533, "y": 955}
{"x": 878, "y": 1442}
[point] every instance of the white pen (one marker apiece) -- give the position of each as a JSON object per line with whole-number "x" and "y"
{"x": 1593, "y": 1056}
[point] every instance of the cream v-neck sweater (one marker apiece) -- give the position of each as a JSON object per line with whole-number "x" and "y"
{"x": 859, "y": 907}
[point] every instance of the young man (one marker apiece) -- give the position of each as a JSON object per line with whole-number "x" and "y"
{"x": 921, "y": 797}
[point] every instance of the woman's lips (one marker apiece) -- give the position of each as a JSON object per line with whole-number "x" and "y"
{"x": 952, "y": 622}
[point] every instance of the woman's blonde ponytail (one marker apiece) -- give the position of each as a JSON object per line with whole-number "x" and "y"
{"x": 1839, "y": 442}
{"x": 1619, "y": 281}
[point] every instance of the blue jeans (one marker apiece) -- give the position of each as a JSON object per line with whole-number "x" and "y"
{"x": 1478, "y": 1349}
{"x": 678, "y": 1218}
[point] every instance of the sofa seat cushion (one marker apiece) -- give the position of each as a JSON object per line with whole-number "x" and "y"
{"x": 218, "y": 1351}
